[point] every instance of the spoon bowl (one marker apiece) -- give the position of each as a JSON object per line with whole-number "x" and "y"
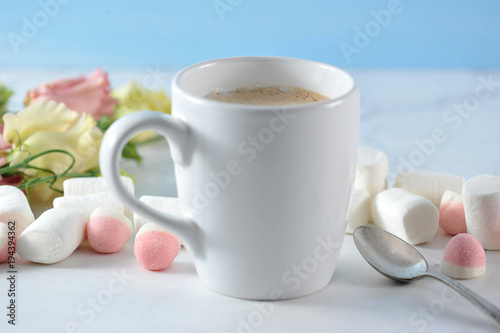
{"x": 398, "y": 260}
{"x": 389, "y": 254}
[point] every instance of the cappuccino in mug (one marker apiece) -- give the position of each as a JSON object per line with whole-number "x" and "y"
{"x": 282, "y": 211}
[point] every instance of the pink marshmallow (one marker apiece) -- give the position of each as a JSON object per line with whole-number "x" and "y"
{"x": 464, "y": 258}
{"x": 452, "y": 213}
{"x": 108, "y": 230}
{"x": 154, "y": 248}
{"x": 4, "y": 242}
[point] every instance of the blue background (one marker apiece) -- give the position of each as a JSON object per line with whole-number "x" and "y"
{"x": 132, "y": 33}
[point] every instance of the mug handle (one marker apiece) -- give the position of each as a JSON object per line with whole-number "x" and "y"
{"x": 113, "y": 142}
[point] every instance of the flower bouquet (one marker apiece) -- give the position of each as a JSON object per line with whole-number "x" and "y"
{"x": 57, "y": 135}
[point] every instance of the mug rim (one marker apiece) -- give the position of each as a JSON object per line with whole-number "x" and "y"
{"x": 236, "y": 106}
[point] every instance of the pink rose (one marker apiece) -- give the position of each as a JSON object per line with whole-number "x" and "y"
{"x": 89, "y": 94}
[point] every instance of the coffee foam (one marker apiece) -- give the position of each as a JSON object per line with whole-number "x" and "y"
{"x": 261, "y": 94}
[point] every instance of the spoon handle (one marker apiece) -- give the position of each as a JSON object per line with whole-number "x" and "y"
{"x": 485, "y": 306}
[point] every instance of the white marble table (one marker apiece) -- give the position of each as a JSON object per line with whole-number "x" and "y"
{"x": 401, "y": 113}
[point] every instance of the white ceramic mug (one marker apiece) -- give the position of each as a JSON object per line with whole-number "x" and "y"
{"x": 265, "y": 189}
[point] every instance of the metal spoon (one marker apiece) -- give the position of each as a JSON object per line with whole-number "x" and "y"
{"x": 398, "y": 260}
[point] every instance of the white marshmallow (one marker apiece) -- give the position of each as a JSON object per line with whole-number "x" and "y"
{"x": 53, "y": 236}
{"x": 87, "y": 203}
{"x": 359, "y": 213}
{"x": 11, "y": 191}
{"x": 92, "y": 185}
{"x": 14, "y": 207}
{"x": 163, "y": 204}
{"x": 481, "y": 196}
{"x": 428, "y": 184}
{"x": 371, "y": 170}
{"x": 409, "y": 216}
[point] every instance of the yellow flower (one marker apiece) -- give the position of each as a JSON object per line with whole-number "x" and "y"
{"x": 47, "y": 125}
{"x": 38, "y": 116}
{"x": 133, "y": 97}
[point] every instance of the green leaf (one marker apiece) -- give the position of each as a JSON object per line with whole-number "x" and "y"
{"x": 126, "y": 174}
{"x": 130, "y": 152}
{"x": 104, "y": 122}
